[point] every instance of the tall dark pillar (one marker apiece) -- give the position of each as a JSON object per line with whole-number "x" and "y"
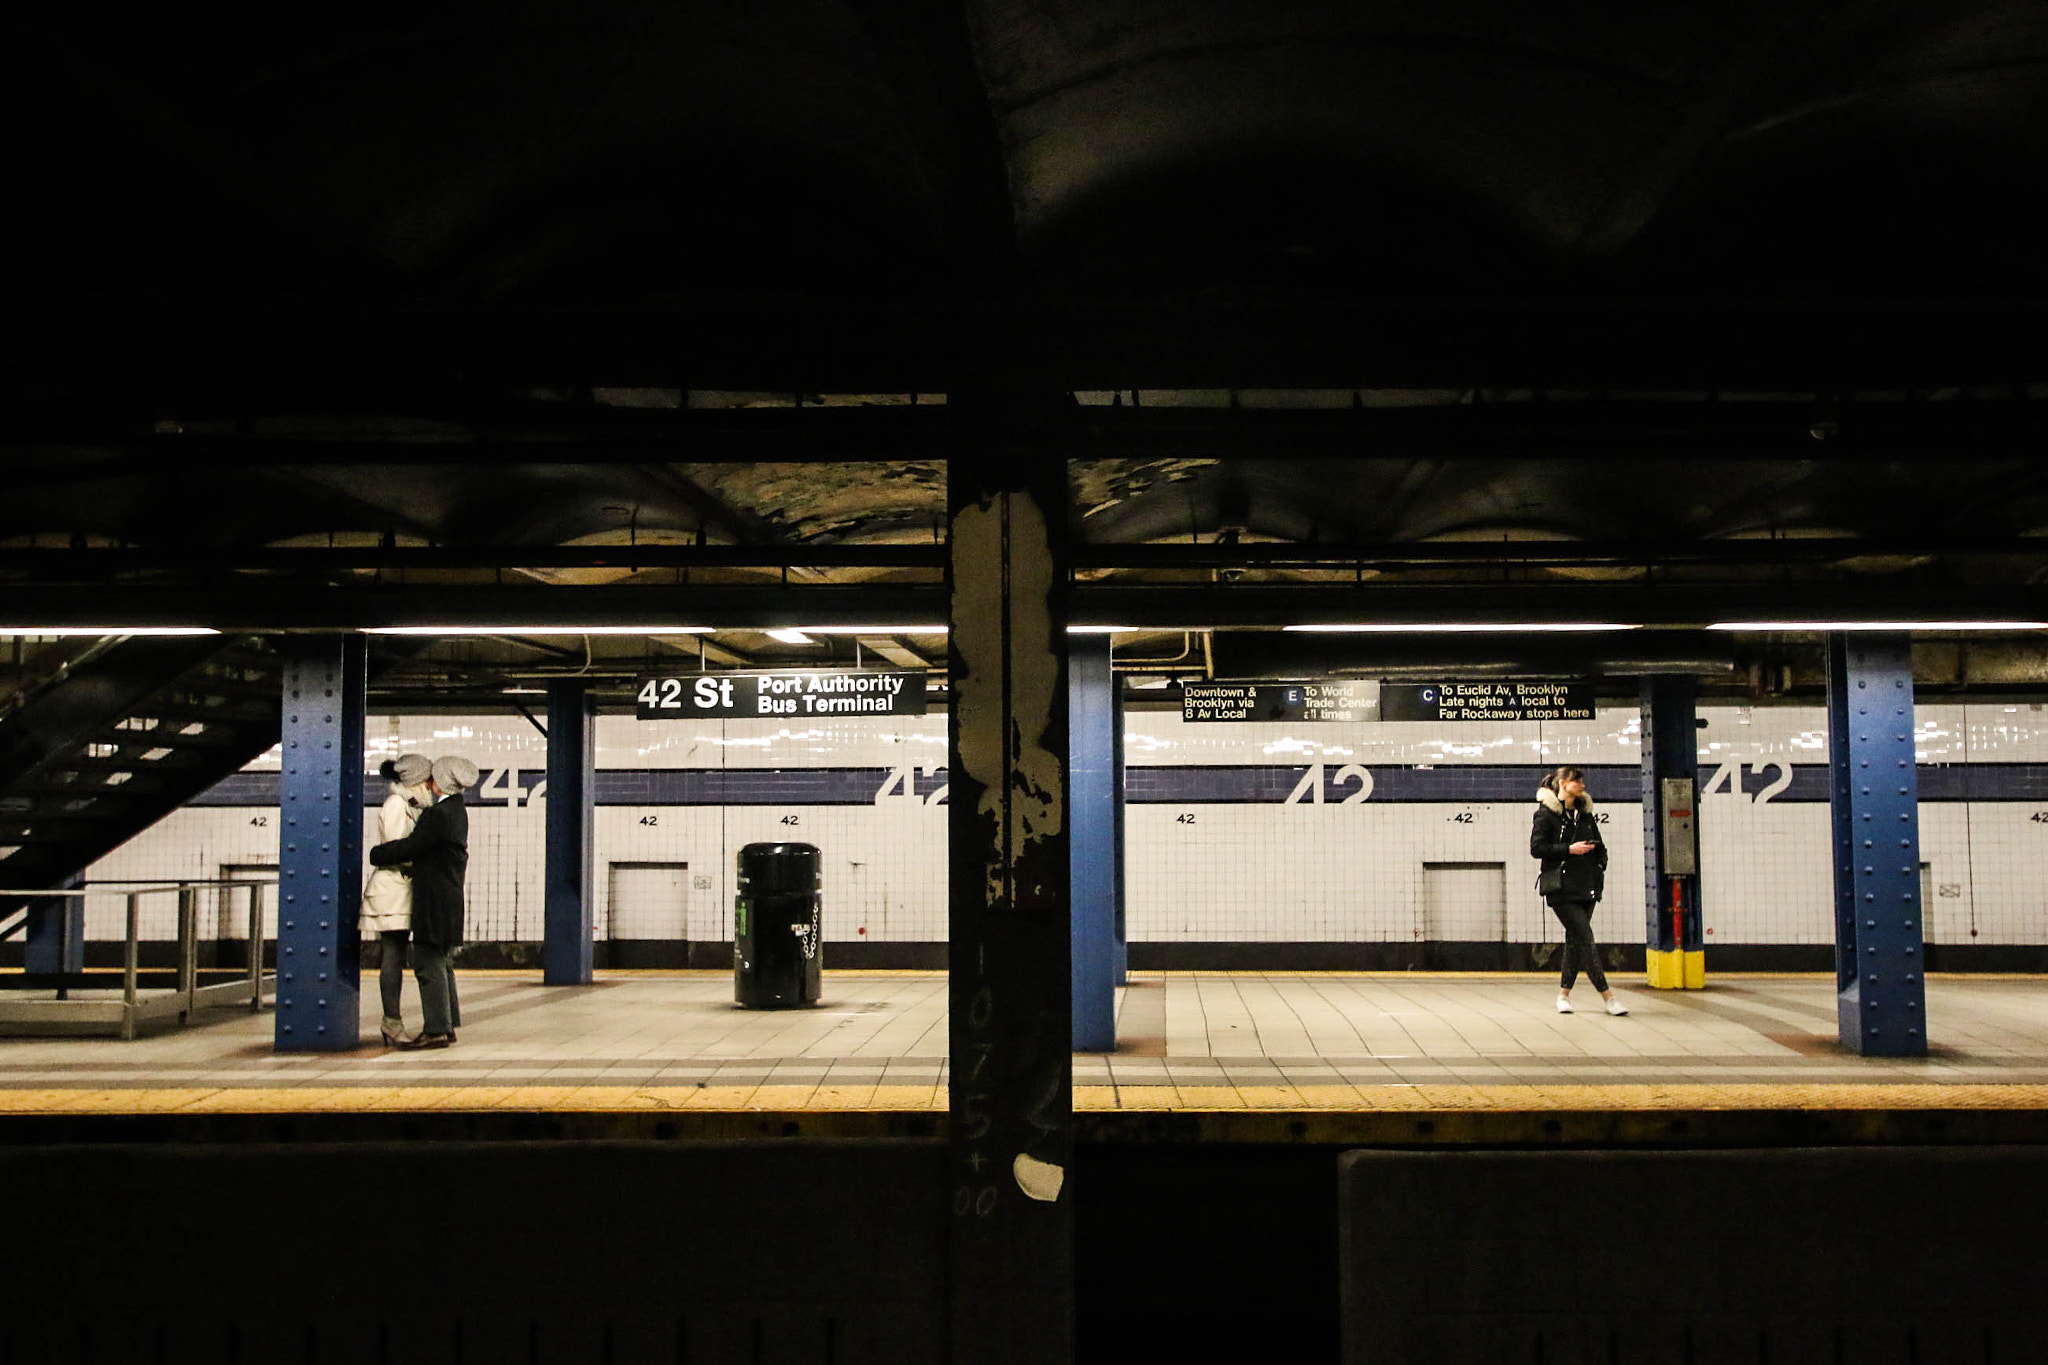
{"x": 572, "y": 790}
{"x": 1676, "y": 957}
{"x": 1011, "y": 1071}
{"x": 320, "y": 844}
{"x": 1874, "y": 796}
{"x": 1093, "y": 800}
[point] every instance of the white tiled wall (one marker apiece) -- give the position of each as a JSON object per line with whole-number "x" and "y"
{"x": 883, "y": 864}
{"x": 1264, "y": 870}
{"x": 1352, "y": 871}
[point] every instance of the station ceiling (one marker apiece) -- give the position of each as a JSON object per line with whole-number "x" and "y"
{"x": 1663, "y": 309}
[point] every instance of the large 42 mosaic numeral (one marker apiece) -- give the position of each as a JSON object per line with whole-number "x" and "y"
{"x": 1309, "y": 791}
{"x": 1728, "y": 778}
{"x": 901, "y": 785}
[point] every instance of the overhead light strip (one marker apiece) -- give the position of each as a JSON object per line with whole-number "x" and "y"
{"x": 11, "y": 631}
{"x": 868, "y": 630}
{"x": 649, "y": 630}
{"x": 538, "y": 630}
{"x": 1463, "y": 627}
{"x": 1892, "y": 626}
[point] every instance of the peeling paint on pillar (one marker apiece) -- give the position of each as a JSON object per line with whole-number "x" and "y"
{"x": 1003, "y": 728}
{"x": 1010, "y": 988}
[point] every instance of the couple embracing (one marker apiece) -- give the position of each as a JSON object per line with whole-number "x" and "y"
{"x": 421, "y": 857}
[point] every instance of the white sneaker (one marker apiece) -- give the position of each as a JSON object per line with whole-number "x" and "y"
{"x": 1564, "y": 1004}
{"x": 1614, "y": 1006}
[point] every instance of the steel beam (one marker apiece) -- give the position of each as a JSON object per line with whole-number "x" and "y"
{"x": 236, "y": 605}
{"x": 320, "y": 844}
{"x": 48, "y": 563}
{"x": 1480, "y": 601}
{"x": 572, "y": 787}
{"x": 395, "y": 356}
{"x": 69, "y": 443}
{"x": 1874, "y": 798}
{"x": 1011, "y": 1077}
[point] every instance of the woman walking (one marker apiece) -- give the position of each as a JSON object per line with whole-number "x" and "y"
{"x": 1566, "y": 838}
{"x": 387, "y": 896}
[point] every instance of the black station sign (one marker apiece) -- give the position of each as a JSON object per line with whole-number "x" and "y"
{"x": 1486, "y": 701}
{"x": 792, "y": 695}
{"x": 1308, "y": 701}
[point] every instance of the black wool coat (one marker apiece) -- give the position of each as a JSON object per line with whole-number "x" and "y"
{"x": 1553, "y": 833}
{"x": 438, "y": 849}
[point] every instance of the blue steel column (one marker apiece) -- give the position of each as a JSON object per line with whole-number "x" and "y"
{"x": 53, "y": 940}
{"x": 320, "y": 844}
{"x": 1676, "y": 946}
{"x": 1874, "y": 796}
{"x": 1091, "y": 796}
{"x": 572, "y": 789}
{"x": 1116, "y": 778}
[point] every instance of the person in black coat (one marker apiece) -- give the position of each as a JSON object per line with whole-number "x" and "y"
{"x": 438, "y": 849}
{"x": 1565, "y": 837}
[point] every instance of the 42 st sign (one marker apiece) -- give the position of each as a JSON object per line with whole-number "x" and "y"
{"x": 796, "y": 695}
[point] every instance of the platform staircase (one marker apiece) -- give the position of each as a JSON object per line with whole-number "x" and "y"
{"x": 117, "y": 736}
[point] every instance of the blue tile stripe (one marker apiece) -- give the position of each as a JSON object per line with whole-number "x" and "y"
{"x": 1262, "y": 784}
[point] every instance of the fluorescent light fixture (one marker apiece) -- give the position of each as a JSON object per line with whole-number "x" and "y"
{"x": 1894, "y": 626}
{"x": 1465, "y": 628}
{"x": 791, "y": 637}
{"x": 536, "y": 630}
{"x": 11, "y": 631}
{"x": 871, "y": 630}
{"x": 1101, "y": 630}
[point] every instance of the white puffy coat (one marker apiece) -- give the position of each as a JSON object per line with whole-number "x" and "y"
{"x": 387, "y": 896}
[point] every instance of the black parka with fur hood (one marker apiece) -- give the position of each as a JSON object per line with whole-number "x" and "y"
{"x": 1555, "y": 830}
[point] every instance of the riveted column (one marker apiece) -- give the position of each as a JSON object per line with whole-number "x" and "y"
{"x": 1011, "y": 1254}
{"x": 320, "y": 844}
{"x": 572, "y": 788}
{"x": 1676, "y": 956}
{"x": 1094, "y": 758}
{"x": 1874, "y": 796}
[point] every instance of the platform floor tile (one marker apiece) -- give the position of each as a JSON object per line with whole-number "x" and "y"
{"x": 1212, "y": 1043}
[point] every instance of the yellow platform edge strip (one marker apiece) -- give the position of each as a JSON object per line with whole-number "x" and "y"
{"x": 1407, "y": 1100}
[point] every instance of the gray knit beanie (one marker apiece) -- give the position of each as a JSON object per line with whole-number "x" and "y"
{"x": 409, "y": 770}
{"x": 454, "y": 773}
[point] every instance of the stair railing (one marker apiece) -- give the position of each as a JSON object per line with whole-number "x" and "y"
{"x": 134, "y": 1007}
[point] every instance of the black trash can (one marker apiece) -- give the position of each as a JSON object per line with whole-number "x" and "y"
{"x": 778, "y": 927}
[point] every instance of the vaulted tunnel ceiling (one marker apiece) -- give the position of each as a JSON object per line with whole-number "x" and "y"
{"x": 496, "y": 281}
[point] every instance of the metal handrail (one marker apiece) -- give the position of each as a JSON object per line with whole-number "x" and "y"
{"x": 187, "y": 890}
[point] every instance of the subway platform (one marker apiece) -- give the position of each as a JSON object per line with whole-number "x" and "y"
{"x": 1246, "y": 1057}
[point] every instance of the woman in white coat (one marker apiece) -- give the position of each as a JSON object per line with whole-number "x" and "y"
{"x": 387, "y": 897}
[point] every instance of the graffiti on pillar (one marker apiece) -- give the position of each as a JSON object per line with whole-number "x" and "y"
{"x": 1021, "y": 790}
